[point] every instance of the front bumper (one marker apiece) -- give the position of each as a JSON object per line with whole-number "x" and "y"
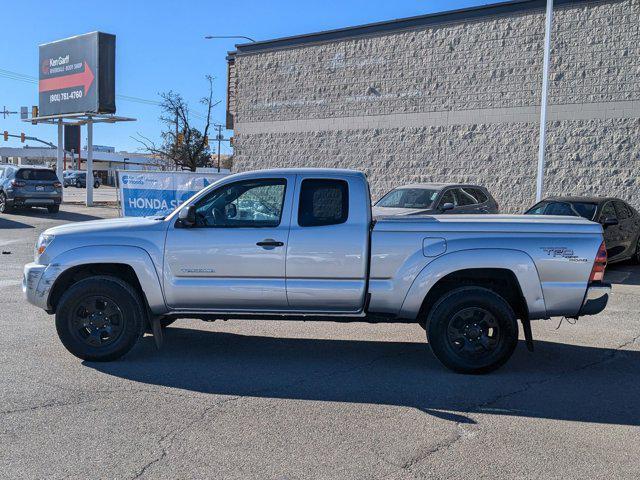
{"x": 37, "y": 281}
{"x": 596, "y": 298}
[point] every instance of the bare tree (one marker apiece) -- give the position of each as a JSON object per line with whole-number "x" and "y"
{"x": 184, "y": 147}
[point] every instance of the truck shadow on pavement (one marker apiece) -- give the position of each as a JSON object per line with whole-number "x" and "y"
{"x": 558, "y": 381}
{"x": 61, "y": 215}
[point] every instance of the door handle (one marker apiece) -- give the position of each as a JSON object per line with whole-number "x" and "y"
{"x": 270, "y": 243}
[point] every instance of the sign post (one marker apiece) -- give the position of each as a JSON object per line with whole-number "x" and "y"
{"x": 89, "y": 201}
{"x": 59, "y": 158}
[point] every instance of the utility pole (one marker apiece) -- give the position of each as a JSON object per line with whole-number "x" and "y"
{"x": 219, "y": 138}
{"x": 6, "y": 112}
{"x": 543, "y": 101}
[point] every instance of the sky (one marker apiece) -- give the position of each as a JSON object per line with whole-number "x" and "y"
{"x": 160, "y": 47}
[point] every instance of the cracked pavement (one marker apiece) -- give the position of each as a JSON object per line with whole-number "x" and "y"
{"x": 293, "y": 400}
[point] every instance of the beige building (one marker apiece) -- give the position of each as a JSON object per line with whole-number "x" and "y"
{"x": 452, "y": 96}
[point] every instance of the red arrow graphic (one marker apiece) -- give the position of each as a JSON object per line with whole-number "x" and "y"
{"x": 82, "y": 79}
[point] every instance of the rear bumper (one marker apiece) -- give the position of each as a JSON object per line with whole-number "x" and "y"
{"x": 596, "y": 298}
{"x": 36, "y": 201}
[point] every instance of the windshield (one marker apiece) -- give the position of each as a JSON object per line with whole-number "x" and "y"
{"x": 408, "y": 198}
{"x": 574, "y": 209}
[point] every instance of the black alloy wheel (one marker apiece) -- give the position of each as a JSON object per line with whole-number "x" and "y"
{"x": 473, "y": 333}
{"x": 96, "y": 321}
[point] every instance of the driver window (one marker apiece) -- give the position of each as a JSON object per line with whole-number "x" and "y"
{"x": 247, "y": 204}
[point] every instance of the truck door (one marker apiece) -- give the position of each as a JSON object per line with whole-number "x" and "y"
{"x": 328, "y": 250}
{"x": 233, "y": 258}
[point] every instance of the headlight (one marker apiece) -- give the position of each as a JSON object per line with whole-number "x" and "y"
{"x": 41, "y": 245}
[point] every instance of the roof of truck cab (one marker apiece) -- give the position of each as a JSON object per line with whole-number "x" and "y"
{"x": 307, "y": 171}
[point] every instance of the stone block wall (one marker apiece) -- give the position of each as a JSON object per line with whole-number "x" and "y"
{"x": 456, "y": 102}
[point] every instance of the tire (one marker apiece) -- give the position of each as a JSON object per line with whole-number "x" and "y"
{"x": 100, "y": 336}
{"x": 78, "y": 184}
{"x": 636, "y": 257}
{"x": 4, "y": 207}
{"x": 96, "y": 185}
{"x": 53, "y": 208}
{"x": 472, "y": 330}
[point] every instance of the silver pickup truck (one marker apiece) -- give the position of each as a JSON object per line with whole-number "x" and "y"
{"x": 302, "y": 244}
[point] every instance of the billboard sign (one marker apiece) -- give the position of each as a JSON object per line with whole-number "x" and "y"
{"x": 77, "y": 75}
{"x": 144, "y": 194}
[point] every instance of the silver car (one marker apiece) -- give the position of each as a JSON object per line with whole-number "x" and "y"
{"x": 436, "y": 198}
{"x": 29, "y": 187}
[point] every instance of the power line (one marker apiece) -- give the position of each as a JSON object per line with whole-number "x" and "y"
{"x": 21, "y": 77}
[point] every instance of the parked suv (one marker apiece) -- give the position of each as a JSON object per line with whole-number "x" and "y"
{"x": 435, "y": 198}
{"x": 29, "y": 187}
{"x": 620, "y": 221}
{"x": 79, "y": 180}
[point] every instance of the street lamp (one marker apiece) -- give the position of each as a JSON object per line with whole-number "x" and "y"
{"x": 209, "y": 37}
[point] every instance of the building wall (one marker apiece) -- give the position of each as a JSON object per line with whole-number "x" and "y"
{"x": 456, "y": 102}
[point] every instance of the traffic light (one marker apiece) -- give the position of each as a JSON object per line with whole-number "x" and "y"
{"x": 206, "y": 140}
{"x": 22, "y": 137}
{"x": 6, "y": 135}
{"x": 34, "y": 111}
{"x": 180, "y": 139}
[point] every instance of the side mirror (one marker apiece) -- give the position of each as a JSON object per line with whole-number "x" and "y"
{"x": 447, "y": 206}
{"x": 230, "y": 210}
{"x": 609, "y": 221}
{"x": 187, "y": 216}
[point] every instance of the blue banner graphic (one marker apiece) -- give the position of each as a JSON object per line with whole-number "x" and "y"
{"x": 144, "y": 194}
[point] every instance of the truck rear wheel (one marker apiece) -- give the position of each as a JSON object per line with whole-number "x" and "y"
{"x": 472, "y": 330}
{"x": 100, "y": 318}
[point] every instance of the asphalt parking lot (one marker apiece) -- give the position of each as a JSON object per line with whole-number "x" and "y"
{"x": 291, "y": 400}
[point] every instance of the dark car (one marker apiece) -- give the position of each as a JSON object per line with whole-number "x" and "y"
{"x": 620, "y": 221}
{"x": 435, "y": 198}
{"x": 29, "y": 187}
{"x": 79, "y": 180}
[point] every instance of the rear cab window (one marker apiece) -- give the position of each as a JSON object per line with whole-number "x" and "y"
{"x": 323, "y": 202}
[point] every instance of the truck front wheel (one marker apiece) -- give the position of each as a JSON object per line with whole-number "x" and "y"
{"x": 100, "y": 318}
{"x": 472, "y": 330}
